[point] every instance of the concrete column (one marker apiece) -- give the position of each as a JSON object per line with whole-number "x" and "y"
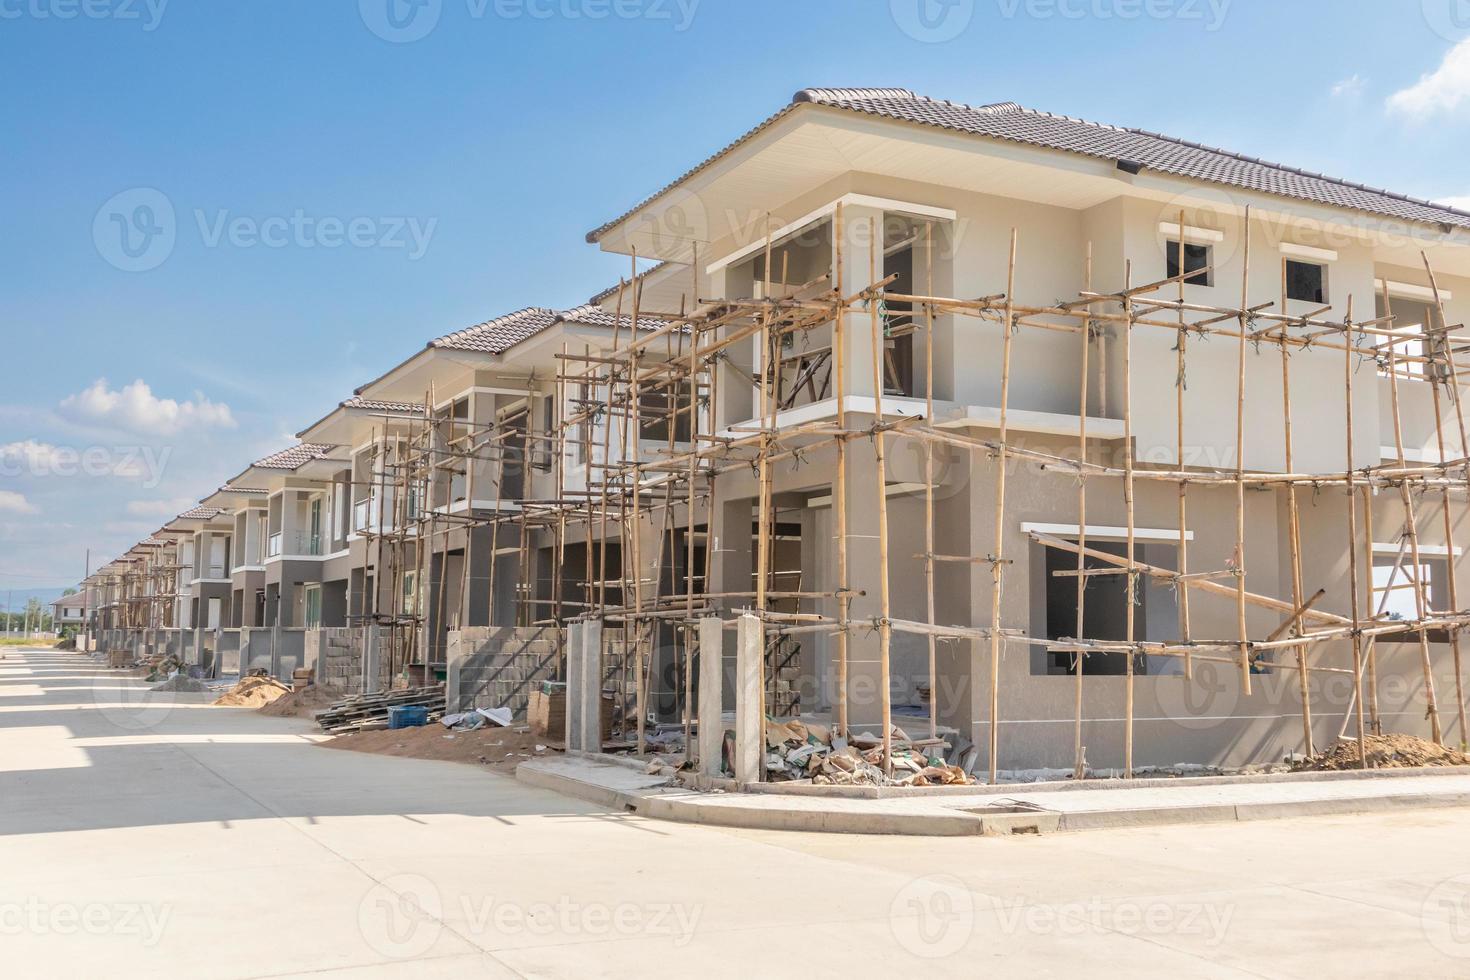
{"x": 711, "y": 674}
{"x": 859, "y": 241}
{"x": 453, "y": 659}
{"x": 749, "y": 736}
{"x": 371, "y": 650}
{"x": 275, "y": 668}
{"x": 584, "y": 688}
{"x": 575, "y": 682}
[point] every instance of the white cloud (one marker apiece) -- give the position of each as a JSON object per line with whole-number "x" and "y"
{"x": 15, "y": 503}
{"x": 160, "y": 508}
{"x": 1349, "y": 86}
{"x": 136, "y": 408}
{"x": 1442, "y": 90}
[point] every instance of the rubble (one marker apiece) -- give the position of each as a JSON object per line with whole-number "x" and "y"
{"x": 797, "y": 750}
{"x": 1391, "y": 751}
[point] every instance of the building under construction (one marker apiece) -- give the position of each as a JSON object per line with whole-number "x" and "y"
{"x": 1071, "y": 447}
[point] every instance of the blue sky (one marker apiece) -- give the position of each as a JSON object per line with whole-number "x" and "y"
{"x": 343, "y": 188}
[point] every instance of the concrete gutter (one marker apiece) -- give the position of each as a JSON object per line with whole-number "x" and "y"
{"x": 992, "y": 811}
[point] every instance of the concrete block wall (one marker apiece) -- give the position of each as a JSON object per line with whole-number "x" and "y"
{"x": 492, "y": 667}
{"x": 340, "y": 653}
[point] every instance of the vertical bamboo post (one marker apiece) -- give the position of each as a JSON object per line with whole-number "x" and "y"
{"x": 885, "y": 627}
{"x": 997, "y": 576}
{"x": 1293, "y": 529}
{"x": 1431, "y": 709}
{"x": 1130, "y": 597}
{"x": 1352, "y": 538}
{"x": 1243, "y": 319}
{"x": 1179, "y": 386}
{"x": 1372, "y": 651}
{"x": 839, "y": 492}
{"x": 1453, "y": 387}
{"x": 1079, "y": 751}
{"x": 929, "y": 480}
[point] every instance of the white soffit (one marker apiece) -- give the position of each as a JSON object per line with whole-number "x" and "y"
{"x": 1207, "y": 236}
{"x": 1309, "y": 252}
{"x": 1408, "y": 290}
{"x": 1108, "y": 532}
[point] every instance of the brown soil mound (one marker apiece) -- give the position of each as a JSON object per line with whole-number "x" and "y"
{"x": 494, "y": 748}
{"x": 252, "y": 692}
{"x": 1392, "y": 751}
{"x": 300, "y": 703}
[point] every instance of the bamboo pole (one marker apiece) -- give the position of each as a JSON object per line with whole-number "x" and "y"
{"x": 1245, "y": 661}
{"x": 1352, "y": 543}
{"x": 1079, "y": 751}
{"x": 1294, "y": 526}
{"x": 885, "y": 628}
{"x": 1130, "y": 594}
{"x": 997, "y": 575}
{"x": 1411, "y": 529}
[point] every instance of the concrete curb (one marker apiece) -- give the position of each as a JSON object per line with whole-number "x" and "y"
{"x": 621, "y": 788}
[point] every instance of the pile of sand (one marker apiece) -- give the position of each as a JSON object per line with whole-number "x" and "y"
{"x": 494, "y": 748}
{"x": 302, "y": 702}
{"x": 1391, "y": 751}
{"x": 252, "y": 692}
{"x": 182, "y": 684}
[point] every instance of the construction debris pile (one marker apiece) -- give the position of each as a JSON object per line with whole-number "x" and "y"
{"x": 369, "y": 712}
{"x": 1391, "y": 751}
{"x": 805, "y": 750}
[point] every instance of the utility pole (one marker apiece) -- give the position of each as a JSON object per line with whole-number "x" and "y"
{"x": 84, "y": 635}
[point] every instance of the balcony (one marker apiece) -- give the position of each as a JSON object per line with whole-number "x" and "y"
{"x": 295, "y": 544}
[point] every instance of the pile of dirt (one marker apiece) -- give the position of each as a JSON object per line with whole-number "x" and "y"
{"x": 303, "y": 702}
{"x": 182, "y": 684}
{"x": 494, "y": 748}
{"x": 252, "y": 692}
{"x": 1391, "y": 751}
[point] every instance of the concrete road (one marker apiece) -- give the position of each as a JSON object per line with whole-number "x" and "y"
{"x": 165, "y": 838}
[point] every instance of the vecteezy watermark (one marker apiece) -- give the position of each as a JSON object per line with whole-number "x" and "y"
{"x": 148, "y": 13}
{"x": 33, "y": 916}
{"x": 1445, "y": 917}
{"x": 932, "y": 21}
{"x": 933, "y": 917}
{"x": 301, "y": 230}
{"x": 406, "y": 21}
{"x": 402, "y": 917}
{"x": 1210, "y": 13}
{"x": 137, "y": 229}
{"x": 42, "y": 460}
{"x": 1098, "y": 916}
{"x": 1450, "y": 19}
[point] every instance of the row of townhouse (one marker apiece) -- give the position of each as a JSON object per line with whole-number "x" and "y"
{"x": 838, "y": 194}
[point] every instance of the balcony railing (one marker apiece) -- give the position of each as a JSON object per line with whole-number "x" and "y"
{"x": 295, "y": 544}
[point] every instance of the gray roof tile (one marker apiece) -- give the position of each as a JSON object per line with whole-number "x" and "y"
{"x": 293, "y": 458}
{"x": 1011, "y": 122}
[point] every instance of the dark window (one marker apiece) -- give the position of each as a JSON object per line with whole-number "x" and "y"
{"x": 656, "y": 408}
{"x": 1306, "y": 281}
{"x": 1196, "y": 259}
{"x": 1104, "y": 609}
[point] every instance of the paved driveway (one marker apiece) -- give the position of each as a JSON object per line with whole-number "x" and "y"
{"x": 147, "y": 837}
